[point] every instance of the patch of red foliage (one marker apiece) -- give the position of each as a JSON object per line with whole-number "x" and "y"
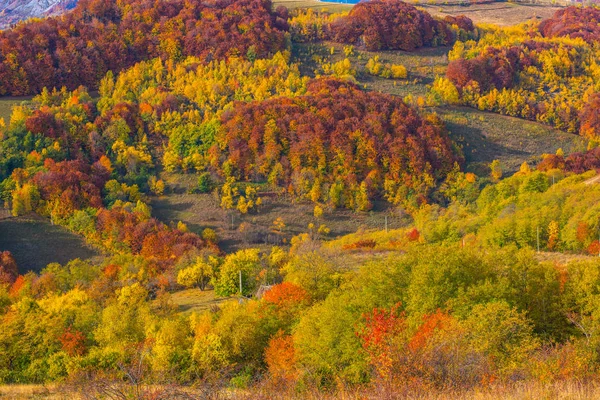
{"x": 391, "y": 25}
{"x": 576, "y": 22}
{"x": 79, "y": 47}
{"x": 336, "y": 133}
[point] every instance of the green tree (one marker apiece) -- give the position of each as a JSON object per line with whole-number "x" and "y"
{"x": 362, "y": 198}
{"x": 124, "y": 320}
{"x": 248, "y": 262}
{"x": 316, "y": 272}
{"x": 25, "y": 200}
{"x": 502, "y": 333}
{"x": 205, "y": 183}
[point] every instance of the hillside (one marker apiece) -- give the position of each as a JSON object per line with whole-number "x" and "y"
{"x": 237, "y": 199}
{"x": 81, "y": 46}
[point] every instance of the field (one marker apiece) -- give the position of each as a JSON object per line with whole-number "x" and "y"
{"x": 499, "y": 13}
{"x": 22, "y": 392}
{"x": 35, "y": 243}
{"x": 316, "y": 5}
{"x": 200, "y": 211}
{"x": 483, "y": 136}
{"x": 571, "y": 390}
{"x": 195, "y": 300}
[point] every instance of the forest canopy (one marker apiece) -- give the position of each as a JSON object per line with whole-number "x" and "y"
{"x": 547, "y": 73}
{"x": 444, "y": 276}
{"x": 79, "y": 47}
{"x": 336, "y": 143}
{"x": 390, "y": 25}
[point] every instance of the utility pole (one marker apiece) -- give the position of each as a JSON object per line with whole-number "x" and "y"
{"x": 386, "y": 224}
{"x": 538, "y": 239}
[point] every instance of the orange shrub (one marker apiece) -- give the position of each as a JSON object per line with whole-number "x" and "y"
{"x": 361, "y": 244}
{"x": 280, "y": 357}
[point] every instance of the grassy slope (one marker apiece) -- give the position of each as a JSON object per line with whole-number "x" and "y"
{"x": 35, "y": 243}
{"x": 195, "y": 300}
{"x": 22, "y": 392}
{"x": 500, "y": 13}
{"x": 200, "y": 211}
{"x": 483, "y": 136}
{"x": 568, "y": 389}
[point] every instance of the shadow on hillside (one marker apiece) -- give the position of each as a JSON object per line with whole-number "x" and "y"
{"x": 479, "y": 148}
{"x": 35, "y": 243}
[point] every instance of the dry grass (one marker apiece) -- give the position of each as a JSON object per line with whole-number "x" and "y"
{"x": 500, "y": 13}
{"x": 35, "y": 242}
{"x": 200, "y": 211}
{"x": 485, "y": 136}
{"x": 316, "y": 5}
{"x": 563, "y": 258}
{"x": 526, "y": 391}
{"x": 570, "y": 390}
{"x": 195, "y": 300}
{"x": 25, "y": 392}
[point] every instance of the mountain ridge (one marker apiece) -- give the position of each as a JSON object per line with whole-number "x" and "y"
{"x": 13, "y": 11}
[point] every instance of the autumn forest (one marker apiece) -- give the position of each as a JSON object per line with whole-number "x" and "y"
{"x": 254, "y": 199}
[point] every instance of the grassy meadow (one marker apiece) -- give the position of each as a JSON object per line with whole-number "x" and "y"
{"x": 35, "y": 243}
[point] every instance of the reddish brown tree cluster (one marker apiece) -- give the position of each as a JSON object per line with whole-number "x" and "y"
{"x": 461, "y": 21}
{"x": 58, "y": 125}
{"x": 577, "y": 162}
{"x": 391, "y": 25}
{"x": 128, "y": 230}
{"x": 43, "y": 122}
{"x": 496, "y": 68}
{"x": 336, "y": 134}
{"x": 71, "y": 185}
{"x": 8, "y": 268}
{"x": 574, "y": 22}
{"x": 78, "y": 48}
{"x": 68, "y": 186}
{"x": 589, "y": 117}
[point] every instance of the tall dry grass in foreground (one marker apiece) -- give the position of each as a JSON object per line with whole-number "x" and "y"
{"x": 570, "y": 390}
{"x": 46, "y": 392}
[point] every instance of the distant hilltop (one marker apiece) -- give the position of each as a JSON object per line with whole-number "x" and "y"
{"x": 13, "y": 11}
